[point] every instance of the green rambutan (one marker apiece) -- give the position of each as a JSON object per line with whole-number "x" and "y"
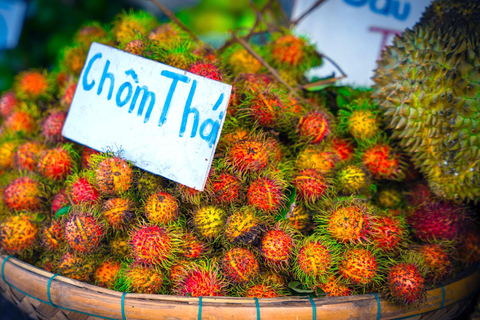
{"x": 113, "y": 175}
{"x": 33, "y": 84}
{"x": 209, "y": 221}
{"x": 56, "y": 164}
{"x": 405, "y": 284}
{"x": 27, "y": 155}
{"x": 243, "y": 226}
{"x": 118, "y": 212}
{"x": 389, "y": 198}
{"x": 106, "y": 273}
{"x": 119, "y": 246}
{"x": 153, "y": 245}
{"x": 76, "y": 266}
{"x": 52, "y": 235}
{"x": 8, "y": 102}
{"x": 267, "y": 194}
{"x": 314, "y": 127}
{"x": 84, "y": 232}
{"x": 310, "y": 184}
{"x": 352, "y": 179}
{"x": 359, "y": 266}
{"x": 23, "y": 194}
{"x": 240, "y": 265}
{"x": 161, "y": 208}
{"x": 201, "y": 280}
{"x": 277, "y": 247}
{"x": 52, "y": 126}
{"x": 138, "y": 278}
{"x": 86, "y": 159}
{"x": 18, "y": 234}
{"x": 20, "y": 122}
{"x": 81, "y": 191}
{"x": 128, "y": 25}
{"x": 360, "y": 119}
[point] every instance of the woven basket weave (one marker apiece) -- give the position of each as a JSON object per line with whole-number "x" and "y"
{"x": 44, "y": 295}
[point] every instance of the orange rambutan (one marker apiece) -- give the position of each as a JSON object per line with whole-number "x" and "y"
{"x": 27, "y": 155}
{"x": 32, "y": 84}
{"x": 23, "y": 194}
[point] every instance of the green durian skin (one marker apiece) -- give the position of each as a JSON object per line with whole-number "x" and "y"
{"x": 428, "y": 85}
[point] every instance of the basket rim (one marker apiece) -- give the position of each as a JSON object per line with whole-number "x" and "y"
{"x": 44, "y": 288}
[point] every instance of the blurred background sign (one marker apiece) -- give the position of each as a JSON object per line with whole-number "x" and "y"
{"x": 12, "y": 15}
{"x": 353, "y": 32}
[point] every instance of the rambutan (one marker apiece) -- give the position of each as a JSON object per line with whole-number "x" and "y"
{"x": 17, "y": 234}
{"x": 67, "y": 95}
{"x": 193, "y": 248}
{"x": 119, "y": 246}
{"x": 352, "y": 179}
{"x": 241, "y": 61}
{"x": 73, "y": 59}
{"x": 141, "y": 279}
{"x": 335, "y": 287}
{"x": 52, "y": 235}
{"x": 7, "y": 152}
{"x": 405, "y": 283}
{"x": 27, "y": 155}
{"x": 55, "y": 164}
{"x": 52, "y": 126}
{"x": 383, "y": 162}
{"x": 315, "y": 158}
{"x": 226, "y": 188}
{"x": 8, "y": 102}
{"x": 243, "y": 226}
{"x": 161, "y": 208}
{"x": 209, "y": 221}
{"x": 167, "y": 35}
{"x": 153, "y": 245}
{"x": 118, "y": 212}
{"x": 387, "y": 233}
{"x": 344, "y": 148}
{"x": 86, "y": 159}
{"x": 389, "y": 198}
{"x": 89, "y": 33}
{"x": 360, "y": 119}
{"x": 113, "y": 175}
{"x": 106, "y": 273}
{"x": 75, "y": 266}
{"x": 419, "y": 194}
{"x": 346, "y": 221}
{"x": 468, "y": 247}
{"x": 32, "y": 85}
{"x": 436, "y": 258}
{"x": 266, "y": 194}
{"x": 288, "y": 50}
{"x": 314, "y": 127}
{"x": 59, "y": 201}
{"x": 264, "y": 108}
{"x": 277, "y": 247}
{"x": 22, "y": 194}
{"x": 359, "y": 266}
{"x": 299, "y": 218}
{"x": 262, "y": 290}
{"x": 240, "y": 265}
{"x": 207, "y": 70}
{"x": 202, "y": 280}
{"x": 82, "y": 191}
{"x": 83, "y": 231}
{"x": 190, "y": 195}
{"x": 136, "y": 46}
{"x": 313, "y": 261}
{"x": 438, "y": 220}
{"x": 20, "y": 121}
{"x": 310, "y": 184}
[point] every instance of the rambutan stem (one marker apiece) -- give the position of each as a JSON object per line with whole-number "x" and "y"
{"x": 263, "y": 62}
{"x": 172, "y": 17}
{"x": 306, "y": 13}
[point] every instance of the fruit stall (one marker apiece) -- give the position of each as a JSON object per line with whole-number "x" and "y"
{"x": 149, "y": 175}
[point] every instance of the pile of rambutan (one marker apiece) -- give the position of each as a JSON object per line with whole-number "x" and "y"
{"x": 302, "y": 189}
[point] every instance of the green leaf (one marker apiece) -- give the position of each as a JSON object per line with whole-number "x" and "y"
{"x": 62, "y": 211}
{"x": 39, "y": 217}
{"x": 297, "y": 287}
{"x": 292, "y": 194}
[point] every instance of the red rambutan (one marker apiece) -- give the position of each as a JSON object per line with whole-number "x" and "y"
{"x": 22, "y": 194}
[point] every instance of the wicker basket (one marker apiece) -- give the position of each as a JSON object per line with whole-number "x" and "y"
{"x": 44, "y": 295}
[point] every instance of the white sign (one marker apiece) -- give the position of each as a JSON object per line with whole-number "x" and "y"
{"x": 12, "y": 14}
{"x": 167, "y": 121}
{"x": 353, "y": 32}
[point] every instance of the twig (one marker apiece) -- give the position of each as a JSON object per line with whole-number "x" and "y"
{"x": 283, "y": 14}
{"x": 263, "y": 62}
{"x": 306, "y": 13}
{"x": 344, "y": 75}
{"x": 172, "y": 17}
{"x": 326, "y": 81}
